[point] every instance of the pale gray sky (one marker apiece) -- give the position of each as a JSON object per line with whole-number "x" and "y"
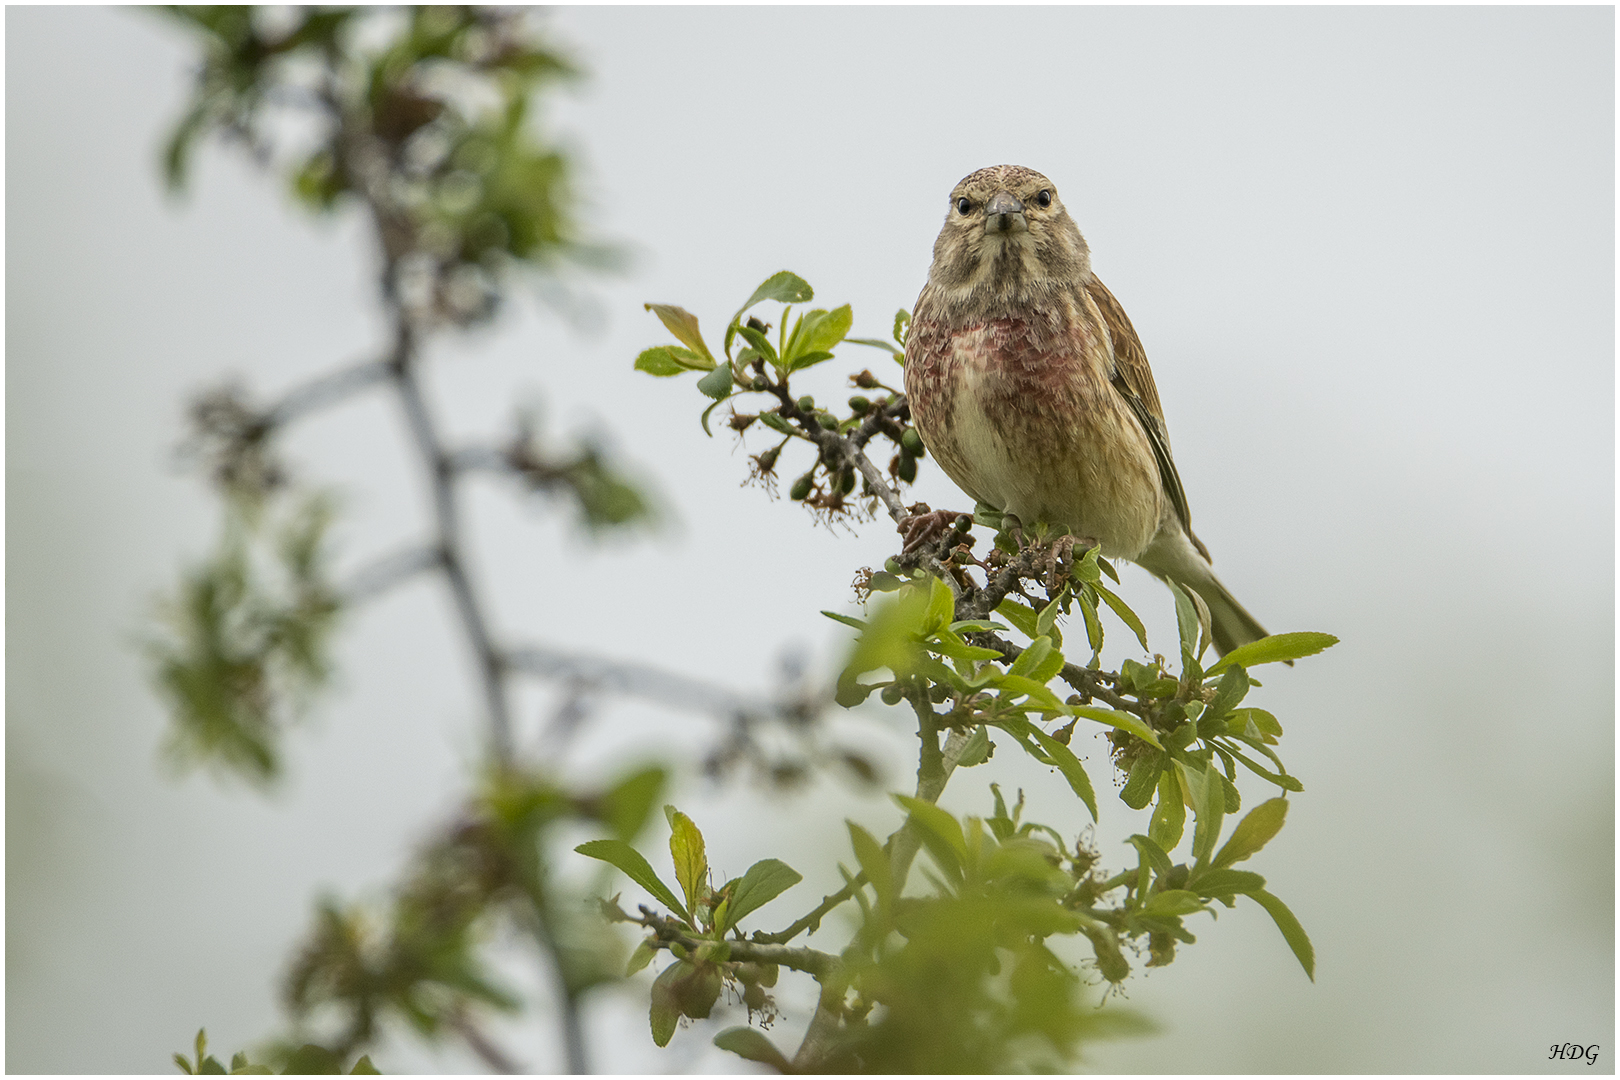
{"x": 1370, "y": 252}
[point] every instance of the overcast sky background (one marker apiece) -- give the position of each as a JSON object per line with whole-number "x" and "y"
{"x": 1370, "y": 253}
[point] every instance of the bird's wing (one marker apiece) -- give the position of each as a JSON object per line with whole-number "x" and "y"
{"x": 1133, "y": 379}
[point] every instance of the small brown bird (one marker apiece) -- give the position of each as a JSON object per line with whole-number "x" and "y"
{"x": 1031, "y": 389}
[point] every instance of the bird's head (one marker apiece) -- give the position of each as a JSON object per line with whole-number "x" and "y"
{"x": 1007, "y": 237}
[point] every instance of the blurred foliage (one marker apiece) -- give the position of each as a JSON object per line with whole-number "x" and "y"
{"x": 424, "y": 959}
{"x": 432, "y": 129}
{"x": 965, "y": 973}
{"x": 246, "y": 647}
{"x": 306, "y": 1060}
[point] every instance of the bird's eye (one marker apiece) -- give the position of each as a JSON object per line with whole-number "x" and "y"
{"x": 963, "y": 206}
{"x": 1044, "y": 199}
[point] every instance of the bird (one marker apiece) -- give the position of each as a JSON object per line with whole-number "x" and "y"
{"x": 1030, "y": 388}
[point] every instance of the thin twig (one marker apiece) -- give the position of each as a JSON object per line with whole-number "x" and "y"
{"x": 325, "y": 390}
{"x": 491, "y": 666}
{"x": 384, "y": 573}
{"x": 812, "y": 921}
{"x": 480, "y": 1043}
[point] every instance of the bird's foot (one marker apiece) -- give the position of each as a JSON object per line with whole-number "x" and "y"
{"x": 1058, "y": 559}
{"x": 922, "y": 526}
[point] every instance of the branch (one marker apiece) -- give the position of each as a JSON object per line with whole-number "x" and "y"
{"x": 630, "y": 680}
{"x": 487, "y": 1051}
{"x": 810, "y": 961}
{"x": 325, "y": 390}
{"x": 383, "y": 574}
{"x": 812, "y": 921}
{"x": 491, "y": 667}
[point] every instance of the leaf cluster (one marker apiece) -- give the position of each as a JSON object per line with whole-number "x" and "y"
{"x": 750, "y": 362}
{"x": 703, "y": 962}
{"x": 433, "y": 129}
{"x": 306, "y": 1060}
{"x": 246, "y": 641}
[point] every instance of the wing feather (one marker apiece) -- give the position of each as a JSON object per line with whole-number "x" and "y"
{"x": 1133, "y": 379}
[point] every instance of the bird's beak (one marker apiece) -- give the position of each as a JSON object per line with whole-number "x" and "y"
{"x": 1004, "y": 214}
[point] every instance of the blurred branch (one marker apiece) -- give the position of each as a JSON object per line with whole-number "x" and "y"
{"x": 390, "y": 570}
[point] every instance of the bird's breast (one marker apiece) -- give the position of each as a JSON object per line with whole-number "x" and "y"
{"x": 1020, "y": 412}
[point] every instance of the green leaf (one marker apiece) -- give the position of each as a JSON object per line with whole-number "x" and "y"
{"x": 1126, "y": 615}
{"x": 1142, "y": 780}
{"x": 1070, "y": 767}
{"x": 1094, "y": 628}
{"x": 687, "y": 853}
{"x": 1223, "y": 882}
{"x": 941, "y": 606}
{"x": 847, "y": 620}
{"x": 786, "y": 287}
{"x": 940, "y": 831}
{"x": 809, "y": 359}
{"x": 1124, "y": 721}
{"x": 684, "y": 325}
{"x": 636, "y": 868}
{"x": 874, "y": 343}
{"x": 976, "y": 749}
{"x": 1154, "y": 854}
{"x": 764, "y": 882}
{"x": 1032, "y": 657}
{"x": 312, "y": 1060}
{"x": 1188, "y": 625}
{"x": 874, "y": 861}
{"x": 1048, "y": 616}
{"x": 902, "y": 324}
{"x": 1292, "y": 932}
{"x": 1262, "y": 720}
{"x": 1269, "y": 650}
{"x": 752, "y": 1045}
{"x": 1021, "y": 616}
{"x": 625, "y": 806}
{"x": 759, "y": 341}
{"x": 717, "y": 383}
{"x": 1169, "y": 813}
{"x": 1036, "y": 692}
{"x": 1173, "y": 902}
{"x": 639, "y": 959}
{"x": 823, "y": 330}
{"x": 363, "y": 1067}
{"x": 665, "y": 1012}
{"x": 1209, "y": 802}
{"x": 1234, "y": 685}
{"x": 1253, "y": 832}
{"x": 666, "y": 360}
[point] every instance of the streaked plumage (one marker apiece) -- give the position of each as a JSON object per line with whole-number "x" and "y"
{"x": 1031, "y": 389}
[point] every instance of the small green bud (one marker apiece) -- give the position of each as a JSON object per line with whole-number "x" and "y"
{"x": 801, "y": 487}
{"x": 767, "y": 460}
{"x": 892, "y": 694}
{"x": 859, "y": 405}
{"x": 827, "y": 420}
{"x": 760, "y": 382}
{"x": 912, "y": 443}
{"x": 753, "y": 996}
{"x": 907, "y": 470}
{"x": 892, "y": 565}
{"x": 846, "y": 481}
{"x": 807, "y": 403}
{"x": 754, "y": 323}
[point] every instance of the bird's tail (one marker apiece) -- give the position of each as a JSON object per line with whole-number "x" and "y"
{"x": 1230, "y": 624}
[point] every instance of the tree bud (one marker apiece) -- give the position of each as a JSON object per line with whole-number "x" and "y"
{"x": 912, "y": 443}
{"x": 801, "y": 487}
